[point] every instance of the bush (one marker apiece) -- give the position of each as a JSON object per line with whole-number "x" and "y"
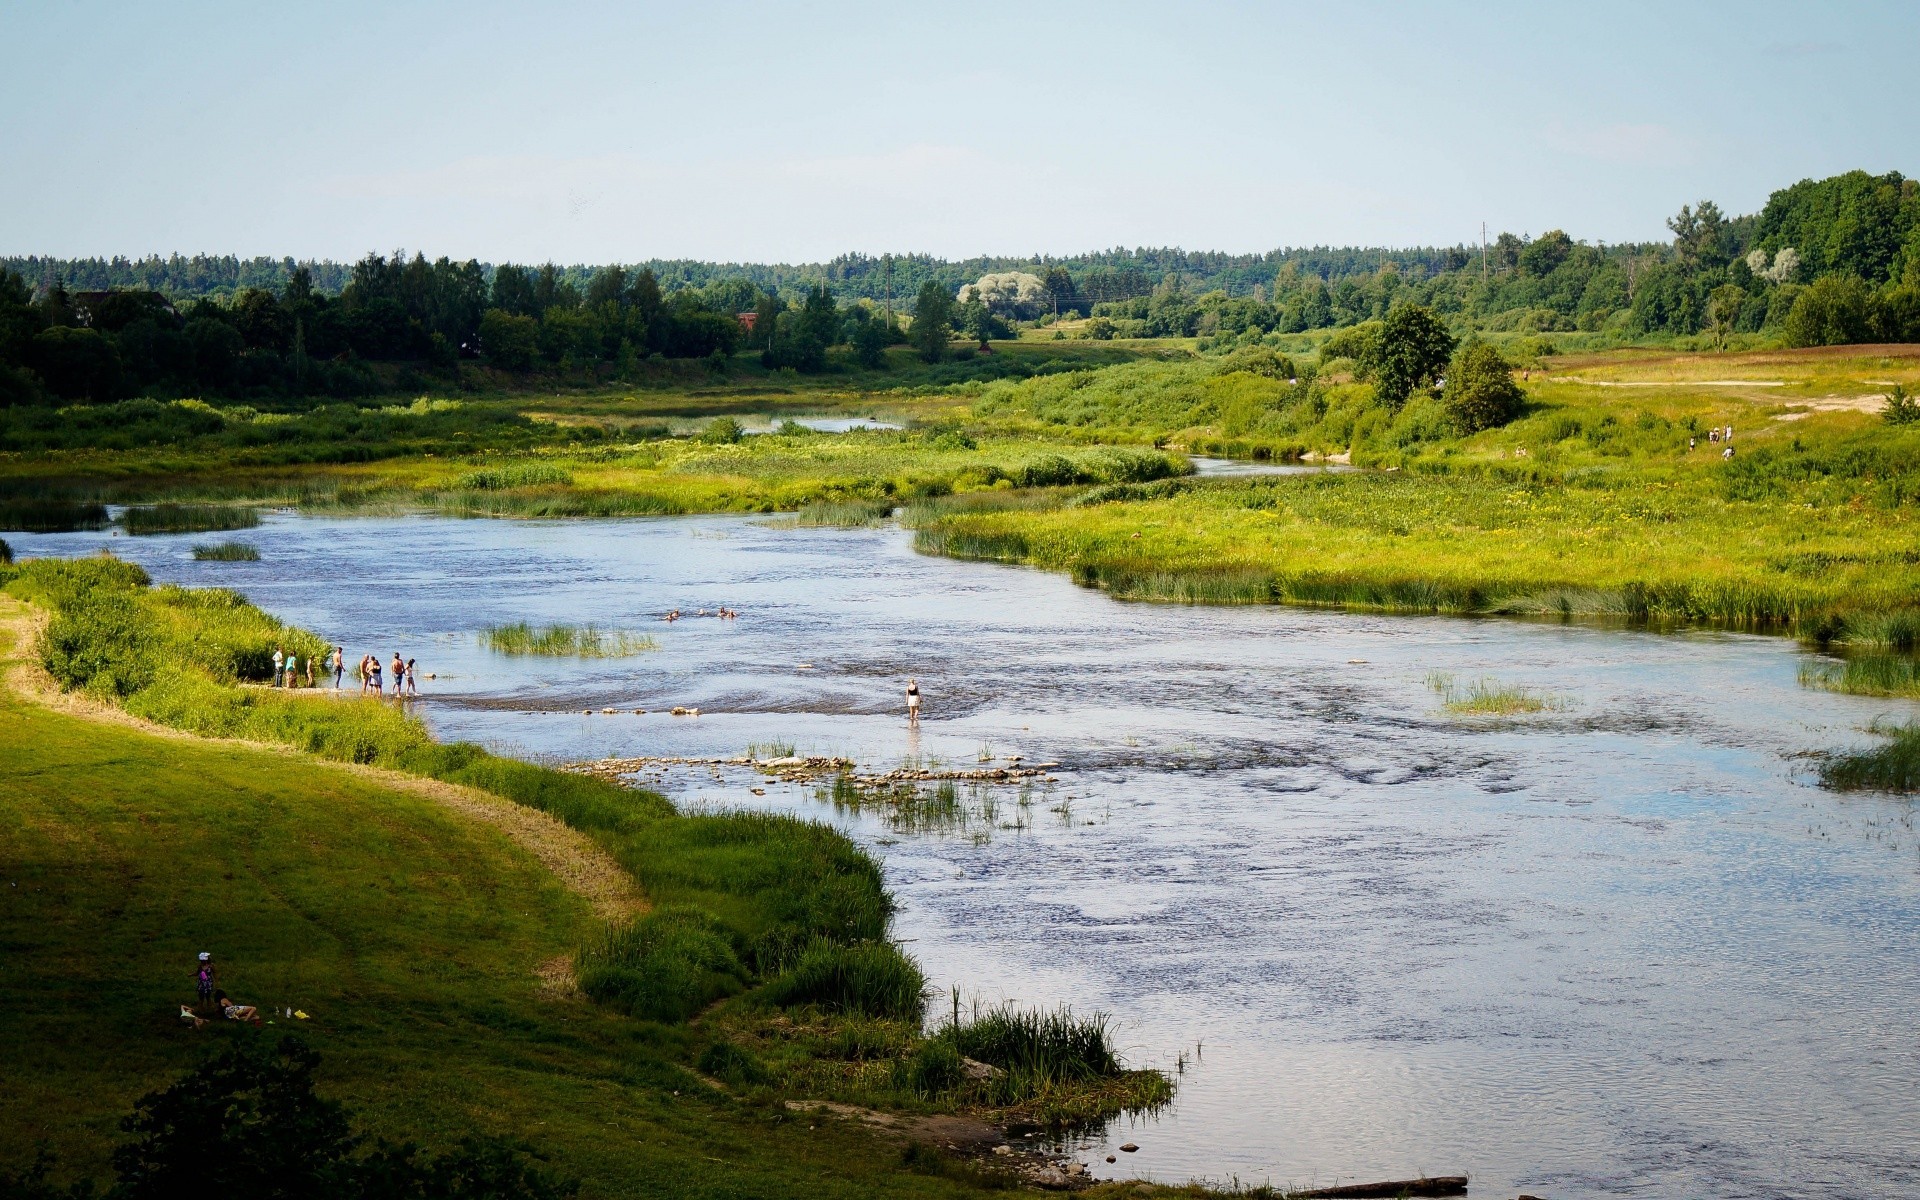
{"x": 874, "y": 979}
{"x": 1480, "y": 392}
{"x": 1834, "y": 310}
{"x": 722, "y": 431}
{"x": 665, "y": 966}
{"x": 248, "y": 1122}
{"x": 1902, "y": 407}
{"x": 6, "y": 553}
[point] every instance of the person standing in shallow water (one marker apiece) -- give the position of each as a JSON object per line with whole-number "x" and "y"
{"x": 913, "y": 701}
{"x": 399, "y": 673}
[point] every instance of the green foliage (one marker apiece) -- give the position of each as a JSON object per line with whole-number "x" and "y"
{"x": 519, "y": 475}
{"x": 1043, "y": 1045}
{"x": 565, "y": 641}
{"x": 6, "y": 553}
{"x": 731, "y": 1064}
{"x": 1480, "y": 392}
{"x": 722, "y": 431}
{"x": 49, "y": 514}
{"x": 665, "y": 966}
{"x": 1902, "y": 407}
{"x": 226, "y": 552}
{"x": 247, "y": 1122}
{"x": 872, "y": 979}
{"x": 187, "y": 518}
{"x": 1834, "y": 310}
{"x": 1893, "y": 766}
{"x": 1414, "y": 350}
{"x": 932, "y": 322}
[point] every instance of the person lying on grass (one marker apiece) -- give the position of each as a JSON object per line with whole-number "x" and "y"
{"x": 236, "y": 1012}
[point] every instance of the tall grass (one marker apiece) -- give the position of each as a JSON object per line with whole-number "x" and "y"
{"x": 1891, "y": 767}
{"x": 873, "y": 979}
{"x": 226, "y": 552}
{"x": 187, "y": 518}
{"x": 845, "y": 514}
{"x": 37, "y": 514}
{"x": 1487, "y": 697}
{"x": 564, "y": 641}
{"x": 1865, "y": 675}
{"x": 665, "y": 966}
{"x": 517, "y": 475}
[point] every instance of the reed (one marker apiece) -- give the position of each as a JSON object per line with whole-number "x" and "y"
{"x": 226, "y": 552}
{"x": 1891, "y": 767}
{"x": 1487, "y": 697}
{"x": 1865, "y": 675}
{"x": 517, "y": 475}
{"x": 34, "y": 514}
{"x": 565, "y": 641}
{"x": 872, "y": 979}
{"x": 187, "y": 518}
{"x": 844, "y": 514}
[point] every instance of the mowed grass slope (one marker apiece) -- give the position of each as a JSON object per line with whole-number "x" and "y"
{"x": 412, "y": 935}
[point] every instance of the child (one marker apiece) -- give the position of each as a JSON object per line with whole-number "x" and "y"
{"x": 203, "y": 978}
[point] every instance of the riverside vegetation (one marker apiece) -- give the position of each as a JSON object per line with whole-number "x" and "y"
{"x": 762, "y": 961}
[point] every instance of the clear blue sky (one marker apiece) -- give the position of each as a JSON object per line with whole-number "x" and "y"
{"x": 598, "y": 132}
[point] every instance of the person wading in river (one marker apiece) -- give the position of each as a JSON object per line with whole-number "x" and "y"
{"x": 913, "y": 702}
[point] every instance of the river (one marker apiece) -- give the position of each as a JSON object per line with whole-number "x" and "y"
{"x": 1620, "y": 947}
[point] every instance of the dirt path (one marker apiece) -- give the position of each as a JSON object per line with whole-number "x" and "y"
{"x": 572, "y": 856}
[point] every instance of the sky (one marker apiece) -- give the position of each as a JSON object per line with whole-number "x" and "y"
{"x": 586, "y": 132}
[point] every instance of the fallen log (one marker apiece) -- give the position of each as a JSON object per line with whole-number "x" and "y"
{"x": 1439, "y": 1185}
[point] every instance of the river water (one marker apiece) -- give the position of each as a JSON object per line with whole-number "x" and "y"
{"x": 1620, "y": 947}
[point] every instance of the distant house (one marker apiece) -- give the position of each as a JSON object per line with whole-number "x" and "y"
{"x": 746, "y": 320}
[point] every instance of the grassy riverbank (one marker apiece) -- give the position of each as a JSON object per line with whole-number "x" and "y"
{"x": 770, "y": 931}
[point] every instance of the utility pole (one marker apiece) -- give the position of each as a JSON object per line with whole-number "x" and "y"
{"x": 887, "y": 271}
{"x": 1483, "y": 254}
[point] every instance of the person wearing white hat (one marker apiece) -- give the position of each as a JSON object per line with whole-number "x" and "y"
{"x": 203, "y": 977}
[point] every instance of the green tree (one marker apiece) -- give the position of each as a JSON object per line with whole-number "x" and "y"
{"x": 1480, "y": 392}
{"x": 1834, "y": 310}
{"x": 1902, "y": 407}
{"x": 1723, "y": 310}
{"x": 1545, "y": 253}
{"x": 510, "y": 342}
{"x": 932, "y": 322}
{"x": 79, "y": 364}
{"x": 869, "y": 339}
{"x": 1414, "y": 350}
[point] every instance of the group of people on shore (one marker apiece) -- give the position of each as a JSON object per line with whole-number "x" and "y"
{"x": 290, "y": 669}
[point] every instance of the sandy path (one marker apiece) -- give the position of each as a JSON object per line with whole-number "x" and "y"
{"x": 581, "y": 865}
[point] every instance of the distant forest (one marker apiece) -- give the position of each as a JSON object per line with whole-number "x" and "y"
{"x": 1825, "y": 261}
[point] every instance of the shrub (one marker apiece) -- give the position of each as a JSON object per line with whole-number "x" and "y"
{"x": 248, "y": 1122}
{"x": 6, "y": 553}
{"x": 873, "y": 979}
{"x": 665, "y": 966}
{"x": 1902, "y": 407}
{"x": 1480, "y": 392}
{"x": 722, "y": 431}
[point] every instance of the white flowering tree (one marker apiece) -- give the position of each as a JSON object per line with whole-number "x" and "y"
{"x": 1011, "y": 294}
